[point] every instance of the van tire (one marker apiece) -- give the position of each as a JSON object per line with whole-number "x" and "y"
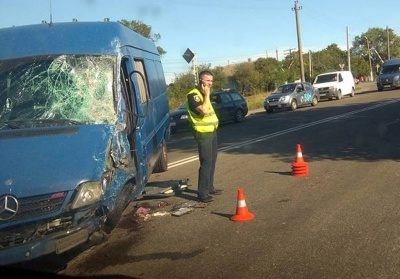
{"x": 352, "y": 92}
{"x": 122, "y": 203}
{"x": 162, "y": 162}
{"x": 339, "y": 95}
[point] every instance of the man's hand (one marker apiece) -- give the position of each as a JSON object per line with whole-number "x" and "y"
{"x": 206, "y": 89}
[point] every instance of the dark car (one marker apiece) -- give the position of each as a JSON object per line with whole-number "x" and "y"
{"x": 291, "y": 96}
{"x": 230, "y": 106}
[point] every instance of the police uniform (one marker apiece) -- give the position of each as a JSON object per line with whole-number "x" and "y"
{"x": 204, "y": 128}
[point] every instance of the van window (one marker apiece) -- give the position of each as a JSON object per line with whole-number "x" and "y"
{"x": 340, "y": 78}
{"x": 142, "y": 81}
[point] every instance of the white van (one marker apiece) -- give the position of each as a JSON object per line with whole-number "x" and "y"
{"x": 335, "y": 85}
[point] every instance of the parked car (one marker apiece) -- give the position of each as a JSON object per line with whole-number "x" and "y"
{"x": 230, "y": 106}
{"x": 291, "y": 96}
{"x": 179, "y": 119}
{"x": 335, "y": 85}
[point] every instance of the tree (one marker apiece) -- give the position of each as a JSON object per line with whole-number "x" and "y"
{"x": 271, "y": 73}
{"x": 328, "y": 59}
{"x": 383, "y": 41}
{"x": 144, "y": 30}
{"x": 246, "y": 78}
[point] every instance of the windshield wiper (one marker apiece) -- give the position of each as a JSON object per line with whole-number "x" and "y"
{"x": 9, "y": 124}
{"x": 29, "y": 123}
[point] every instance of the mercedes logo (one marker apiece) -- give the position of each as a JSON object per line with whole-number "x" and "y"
{"x": 8, "y": 207}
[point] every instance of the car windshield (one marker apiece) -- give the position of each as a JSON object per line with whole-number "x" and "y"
{"x": 287, "y": 88}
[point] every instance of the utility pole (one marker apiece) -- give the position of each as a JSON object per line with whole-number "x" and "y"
{"x": 291, "y": 56}
{"x": 194, "y": 70}
{"x": 296, "y": 9}
{"x": 310, "y": 63}
{"x": 369, "y": 58}
{"x": 388, "y": 41}
{"x": 348, "y": 50}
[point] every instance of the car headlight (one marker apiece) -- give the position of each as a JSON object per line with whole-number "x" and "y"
{"x": 396, "y": 80}
{"x": 185, "y": 116}
{"x": 88, "y": 193}
{"x": 284, "y": 99}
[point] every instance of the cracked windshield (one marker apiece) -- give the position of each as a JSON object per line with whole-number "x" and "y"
{"x": 57, "y": 88}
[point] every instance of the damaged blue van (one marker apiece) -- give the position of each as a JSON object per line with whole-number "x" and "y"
{"x": 84, "y": 122}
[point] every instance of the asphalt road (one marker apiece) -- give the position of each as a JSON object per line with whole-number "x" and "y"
{"x": 339, "y": 221}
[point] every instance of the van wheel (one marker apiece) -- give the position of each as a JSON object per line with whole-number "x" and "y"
{"x": 122, "y": 203}
{"x": 339, "y": 95}
{"x": 239, "y": 115}
{"x": 352, "y": 92}
{"x": 314, "y": 101}
{"x": 162, "y": 162}
{"x": 293, "y": 105}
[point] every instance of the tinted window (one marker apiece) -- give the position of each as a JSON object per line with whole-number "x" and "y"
{"x": 236, "y": 96}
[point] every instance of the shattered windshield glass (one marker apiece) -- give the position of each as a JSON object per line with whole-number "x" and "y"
{"x": 57, "y": 89}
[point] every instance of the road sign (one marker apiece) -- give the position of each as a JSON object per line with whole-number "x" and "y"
{"x": 188, "y": 55}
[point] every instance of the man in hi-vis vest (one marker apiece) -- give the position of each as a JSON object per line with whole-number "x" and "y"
{"x": 204, "y": 126}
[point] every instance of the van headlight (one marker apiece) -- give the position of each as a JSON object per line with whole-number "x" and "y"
{"x": 88, "y": 193}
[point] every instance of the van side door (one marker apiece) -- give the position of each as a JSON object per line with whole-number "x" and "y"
{"x": 142, "y": 132}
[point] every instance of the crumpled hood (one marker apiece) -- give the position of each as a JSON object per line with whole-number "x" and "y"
{"x": 51, "y": 159}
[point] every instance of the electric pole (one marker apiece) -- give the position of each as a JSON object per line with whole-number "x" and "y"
{"x": 348, "y": 50}
{"x": 296, "y": 9}
{"x": 388, "y": 42}
{"x": 369, "y": 58}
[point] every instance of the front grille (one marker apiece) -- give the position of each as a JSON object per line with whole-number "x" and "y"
{"x": 31, "y": 207}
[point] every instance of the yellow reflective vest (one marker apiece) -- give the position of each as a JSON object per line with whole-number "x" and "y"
{"x": 202, "y": 123}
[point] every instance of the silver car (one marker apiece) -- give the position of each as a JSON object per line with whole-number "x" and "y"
{"x": 291, "y": 96}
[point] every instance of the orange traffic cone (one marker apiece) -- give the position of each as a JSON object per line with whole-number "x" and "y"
{"x": 299, "y": 166}
{"x": 242, "y": 213}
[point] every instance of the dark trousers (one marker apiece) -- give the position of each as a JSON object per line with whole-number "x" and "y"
{"x": 207, "y": 145}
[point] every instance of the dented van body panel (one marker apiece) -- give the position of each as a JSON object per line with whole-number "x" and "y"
{"x": 83, "y": 123}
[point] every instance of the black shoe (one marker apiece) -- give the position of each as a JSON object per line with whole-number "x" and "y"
{"x": 206, "y": 199}
{"x": 216, "y": 192}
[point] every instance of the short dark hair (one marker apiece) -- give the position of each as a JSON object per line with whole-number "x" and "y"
{"x": 205, "y": 72}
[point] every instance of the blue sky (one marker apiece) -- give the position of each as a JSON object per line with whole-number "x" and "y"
{"x": 220, "y": 32}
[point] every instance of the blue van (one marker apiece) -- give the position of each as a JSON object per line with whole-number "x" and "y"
{"x": 389, "y": 75}
{"x": 84, "y": 122}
